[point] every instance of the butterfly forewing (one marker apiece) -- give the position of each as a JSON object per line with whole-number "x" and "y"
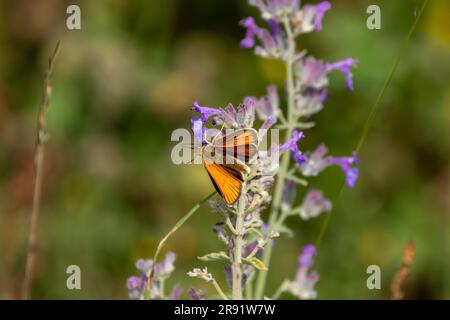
{"x": 241, "y": 144}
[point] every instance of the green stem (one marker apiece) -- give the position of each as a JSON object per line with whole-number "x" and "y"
{"x": 238, "y": 244}
{"x": 166, "y": 237}
{"x": 285, "y": 159}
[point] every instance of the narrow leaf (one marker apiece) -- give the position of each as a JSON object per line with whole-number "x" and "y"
{"x": 214, "y": 256}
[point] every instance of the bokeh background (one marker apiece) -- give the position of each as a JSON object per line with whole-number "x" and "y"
{"x": 126, "y": 80}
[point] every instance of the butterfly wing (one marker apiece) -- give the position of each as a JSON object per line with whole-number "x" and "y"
{"x": 226, "y": 180}
{"x": 241, "y": 144}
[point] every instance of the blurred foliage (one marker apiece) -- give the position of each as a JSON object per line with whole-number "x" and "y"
{"x": 126, "y": 80}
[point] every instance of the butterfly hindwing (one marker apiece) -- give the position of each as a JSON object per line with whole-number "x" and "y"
{"x": 226, "y": 180}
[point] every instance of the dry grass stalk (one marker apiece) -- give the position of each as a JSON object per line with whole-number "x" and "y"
{"x": 398, "y": 283}
{"x": 38, "y": 170}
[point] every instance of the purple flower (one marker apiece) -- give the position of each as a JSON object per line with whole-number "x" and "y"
{"x": 137, "y": 284}
{"x": 291, "y": 145}
{"x": 176, "y": 292}
{"x": 198, "y": 129}
{"x": 306, "y": 258}
{"x": 313, "y": 73}
{"x": 135, "y": 287}
{"x": 165, "y": 267}
{"x": 196, "y": 294}
{"x": 310, "y": 102}
{"x": 246, "y": 113}
{"x": 303, "y": 284}
{"x": 134, "y": 282}
{"x": 320, "y": 10}
{"x": 241, "y": 117}
{"x": 252, "y": 30}
{"x": 268, "y": 105}
{"x": 309, "y": 18}
{"x": 275, "y": 9}
{"x": 275, "y": 29}
{"x": 317, "y": 161}
{"x": 270, "y": 121}
{"x": 347, "y": 165}
{"x": 205, "y": 112}
{"x": 272, "y": 43}
{"x": 144, "y": 266}
{"x": 314, "y": 204}
{"x": 344, "y": 66}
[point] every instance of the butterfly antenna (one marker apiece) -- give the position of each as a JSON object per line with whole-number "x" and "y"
{"x": 218, "y": 133}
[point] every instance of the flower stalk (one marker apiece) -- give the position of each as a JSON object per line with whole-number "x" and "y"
{"x": 285, "y": 159}
{"x": 239, "y": 242}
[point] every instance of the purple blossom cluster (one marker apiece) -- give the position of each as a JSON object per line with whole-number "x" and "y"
{"x": 137, "y": 285}
{"x": 303, "y": 285}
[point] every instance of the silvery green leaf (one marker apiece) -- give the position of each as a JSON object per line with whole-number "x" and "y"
{"x": 214, "y": 256}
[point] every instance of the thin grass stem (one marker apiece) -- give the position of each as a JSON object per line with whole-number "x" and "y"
{"x": 38, "y": 176}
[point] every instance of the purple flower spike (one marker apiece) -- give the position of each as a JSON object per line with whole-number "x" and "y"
{"x": 291, "y": 145}
{"x": 314, "y": 204}
{"x": 344, "y": 66}
{"x": 205, "y": 112}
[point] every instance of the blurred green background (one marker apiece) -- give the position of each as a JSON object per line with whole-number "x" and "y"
{"x": 126, "y": 80}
